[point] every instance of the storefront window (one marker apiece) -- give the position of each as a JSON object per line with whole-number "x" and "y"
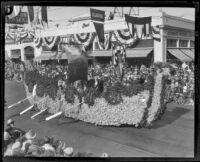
{"x": 191, "y": 43}
{"x": 171, "y": 43}
{"x": 183, "y": 43}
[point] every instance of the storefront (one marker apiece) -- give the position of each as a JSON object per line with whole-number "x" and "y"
{"x": 175, "y": 39}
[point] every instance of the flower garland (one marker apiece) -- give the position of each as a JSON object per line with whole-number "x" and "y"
{"x": 155, "y": 105}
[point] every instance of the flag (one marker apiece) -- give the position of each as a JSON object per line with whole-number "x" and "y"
{"x": 138, "y": 25}
{"x": 98, "y": 17}
{"x": 44, "y": 16}
{"x": 31, "y": 13}
{"x": 15, "y": 12}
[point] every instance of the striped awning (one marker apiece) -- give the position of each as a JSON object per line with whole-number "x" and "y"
{"x": 188, "y": 52}
{"x": 46, "y": 56}
{"x": 180, "y": 55}
{"x": 138, "y": 53}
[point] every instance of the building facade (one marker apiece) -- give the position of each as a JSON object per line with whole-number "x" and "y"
{"x": 176, "y": 40}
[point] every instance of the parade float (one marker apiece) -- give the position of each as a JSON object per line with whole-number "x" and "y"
{"x": 136, "y": 104}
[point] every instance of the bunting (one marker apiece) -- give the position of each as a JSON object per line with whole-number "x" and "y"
{"x": 138, "y": 25}
{"x": 85, "y": 39}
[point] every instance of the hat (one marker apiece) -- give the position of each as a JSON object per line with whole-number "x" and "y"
{"x": 68, "y": 151}
{"x": 30, "y": 134}
{"x": 10, "y": 121}
{"x": 6, "y": 136}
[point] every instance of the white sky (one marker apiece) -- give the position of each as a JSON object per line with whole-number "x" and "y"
{"x": 60, "y": 15}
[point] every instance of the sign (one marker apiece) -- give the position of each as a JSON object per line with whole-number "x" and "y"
{"x": 27, "y": 40}
{"x": 172, "y": 32}
{"x": 97, "y": 15}
{"x": 22, "y": 18}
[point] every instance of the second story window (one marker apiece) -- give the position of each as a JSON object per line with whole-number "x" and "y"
{"x": 171, "y": 43}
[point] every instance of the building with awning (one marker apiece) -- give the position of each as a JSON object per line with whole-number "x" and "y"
{"x": 179, "y": 54}
{"x": 44, "y": 56}
{"x": 173, "y": 38}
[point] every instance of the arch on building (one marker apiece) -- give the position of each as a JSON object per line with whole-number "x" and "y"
{"x": 29, "y": 52}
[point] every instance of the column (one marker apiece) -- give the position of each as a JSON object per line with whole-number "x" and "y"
{"x": 23, "y": 58}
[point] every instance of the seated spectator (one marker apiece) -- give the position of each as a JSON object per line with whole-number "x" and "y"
{"x": 14, "y": 132}
{"x": 7, "y": 140}
{"x": 16, "y": 149}
{"x": 30, "y": 135}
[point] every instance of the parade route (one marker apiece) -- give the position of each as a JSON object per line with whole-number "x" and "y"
{"x": 172, "y": 136}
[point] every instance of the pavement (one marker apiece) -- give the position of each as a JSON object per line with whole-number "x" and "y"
{"x": 172, "y": 136}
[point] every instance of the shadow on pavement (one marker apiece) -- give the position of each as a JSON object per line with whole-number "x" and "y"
{"x": 170, "y": 116}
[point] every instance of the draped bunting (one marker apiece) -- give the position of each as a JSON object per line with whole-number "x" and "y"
{"x": 84, "y": 38}
{"x": 19, "y": 34}
{"x": 138, "y": 25}
{"x": 50, "y": 41}
{"x": 124, "y": 37}
{"x": 38, "y": 42}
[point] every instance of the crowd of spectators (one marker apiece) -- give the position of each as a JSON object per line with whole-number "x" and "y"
{"x": 13, "y": 70}
{"x": 20, "y": 143}
{"x": 181, "y": 76}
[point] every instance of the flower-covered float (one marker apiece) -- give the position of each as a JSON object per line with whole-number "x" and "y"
{"x": 137, "y": 103}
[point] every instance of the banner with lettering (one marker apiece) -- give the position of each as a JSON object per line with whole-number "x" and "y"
{"x": 98, "y": 17}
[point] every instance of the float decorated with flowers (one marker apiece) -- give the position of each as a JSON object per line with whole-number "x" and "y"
{"x": 137, "y": 104}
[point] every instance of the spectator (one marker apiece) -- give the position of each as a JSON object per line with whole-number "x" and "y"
{"x": 68, "y": 152}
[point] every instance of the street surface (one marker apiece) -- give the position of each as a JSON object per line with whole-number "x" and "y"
{"x": 172, "y": 136}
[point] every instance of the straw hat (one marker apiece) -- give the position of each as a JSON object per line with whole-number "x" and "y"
{"x": 10, "y": 121}
{"x": 30, "y": 134}
{"x": 68, "y": 151}
{"x": 6, "y": 136}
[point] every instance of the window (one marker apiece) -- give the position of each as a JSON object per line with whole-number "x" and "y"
{"x": 191, "y": 43}
{"x": 183, "y": 43}
{"x": 171, "y": 43}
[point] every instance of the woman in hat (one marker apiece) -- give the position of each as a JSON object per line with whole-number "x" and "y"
{"x": 14, "y": 132}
